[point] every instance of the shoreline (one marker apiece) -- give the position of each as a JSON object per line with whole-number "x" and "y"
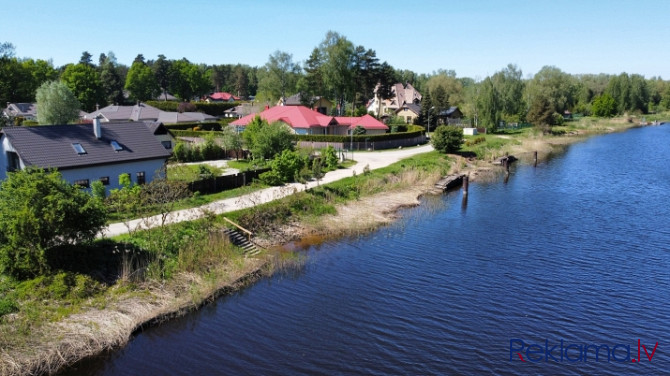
{"x": 95, "y": 331}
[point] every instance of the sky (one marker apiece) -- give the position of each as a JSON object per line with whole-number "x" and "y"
{"x": 474, "y": 38}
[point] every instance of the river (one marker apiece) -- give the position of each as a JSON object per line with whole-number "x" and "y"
{"x": 576, "y": 249}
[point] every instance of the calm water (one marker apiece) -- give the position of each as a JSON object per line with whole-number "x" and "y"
{"x": 576, "y": 249}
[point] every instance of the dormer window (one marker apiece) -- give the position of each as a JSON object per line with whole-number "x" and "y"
{"x": 115, "y": 145}
{"x": 78, "y": 148}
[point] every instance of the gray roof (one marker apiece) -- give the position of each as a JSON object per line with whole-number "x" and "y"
{"x": 51, "y": 146}
{"x": 138, "y": 112}
{"x": 448, "y": 112}
{"x": 412, "y": 107}
{"x": 21, "y": 109}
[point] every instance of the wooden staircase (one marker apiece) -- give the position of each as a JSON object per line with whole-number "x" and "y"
{"x": 248, "y": 247}
{"x": 242, "y": 241}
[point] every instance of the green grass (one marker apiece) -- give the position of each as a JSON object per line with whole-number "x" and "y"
{"x": 189, "y": 173}
{"x": 483, "y": 146}
{"x": 246, "y": 164}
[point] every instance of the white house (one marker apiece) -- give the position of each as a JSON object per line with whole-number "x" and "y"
{"x": 85, "y": 153}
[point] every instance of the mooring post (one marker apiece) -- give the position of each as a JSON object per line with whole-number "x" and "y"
{"x": 535, "y": 158}
{"x": 466, "y": 181}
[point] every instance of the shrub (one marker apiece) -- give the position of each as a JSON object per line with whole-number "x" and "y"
{"x": 38, "y": 211}
{"x": 447, "y": 138}
{"x": 330, "y": 156}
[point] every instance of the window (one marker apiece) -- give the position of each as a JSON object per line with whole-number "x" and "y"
{"x": 13, "y": 163}
{"x": 104, "y": 180}
{"x": 78, "y": 148}
{"x": 167, "y": 144}
{"x": 116, "y": 145}
{"x": 82, "y": 183}
{"x": 140, "y": 178}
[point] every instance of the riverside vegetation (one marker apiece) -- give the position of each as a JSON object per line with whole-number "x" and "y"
{"x": 96, "y": 294}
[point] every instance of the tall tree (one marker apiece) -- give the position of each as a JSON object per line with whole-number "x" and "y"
{"x": 56, "y": 104}
{"x": 556, "y": 86}
{"x": 280, "y": 76}
{"x": 241, "y": 82}
{"x": 112, "y": 86}
{"x": 84, "y": 81}
{"x": 188, "y": 80}
{"x": 510, "y": 86}
{"x": 386, "y": 80}
{"x": 141, "y": 82}
{"x": 488, "y": 105}
{"x": 338, "y": 54}
{"x": 86, "y": 58}
{"x": 161, "y": 69}
{"x": 311, "y": 84}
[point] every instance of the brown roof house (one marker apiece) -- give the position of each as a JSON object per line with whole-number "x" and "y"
{"x": 86, "y": 152}
{"x": 401, "y": 95}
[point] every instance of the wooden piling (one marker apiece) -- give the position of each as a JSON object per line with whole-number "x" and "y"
{"x": 466, "y": 184}
{"x": 535, "y": 157}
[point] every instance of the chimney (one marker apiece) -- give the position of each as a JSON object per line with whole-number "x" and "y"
{"x": 97, "y": 130}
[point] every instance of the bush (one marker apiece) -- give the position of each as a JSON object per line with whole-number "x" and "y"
{"x": 7, "y": 305}
{"x": 447, "y": 138}
{"x": 288, "y": 164}
{"x": 330, "y": 156}
{"x": 38, "y": 211}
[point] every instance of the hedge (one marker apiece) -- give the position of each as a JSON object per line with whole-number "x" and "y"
{"x": 359, "y": 138}
{"x": 189, "y": 133}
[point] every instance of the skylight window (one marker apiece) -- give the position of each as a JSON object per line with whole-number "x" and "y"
{"x": 78, "y": 148}
{"x": 116, "y": 145}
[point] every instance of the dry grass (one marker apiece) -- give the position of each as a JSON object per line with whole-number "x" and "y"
{"x": 57, "y": 345}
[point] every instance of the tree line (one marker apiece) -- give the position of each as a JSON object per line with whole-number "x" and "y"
{"x": 346, "y": 73}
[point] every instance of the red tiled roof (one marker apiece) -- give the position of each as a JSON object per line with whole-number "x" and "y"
{"x": 303, "y": 117}
{"x": 221, "y": 96}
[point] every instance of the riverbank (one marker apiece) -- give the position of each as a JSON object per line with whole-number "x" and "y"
{"x": 354, "y": 205}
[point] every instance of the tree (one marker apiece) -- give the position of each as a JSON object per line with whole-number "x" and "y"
{"x": 359, "y": 130}
{"x": 188, "y": 80}
{"x": 447, "y": 138}
{"x": 56, "y": 104}
{"x": 141, "y": 82}
{"x": 386, "y": 80}
{"x": 488, "y": 105}
{"x": 338, "y": 60}
{"x": 39, "y": 211}
{"x": 558, "y": 87}
{"x": 162, "y": 71}
{"x": 330, "y": 157}
{"x": 86, "y": 58}
{"x": 604, "y": 106}
{"x": 510, "y": 86}
{"x": 231, "y": 140}
{"x": 85, "y": 84}
{"x": 267, "y": 140}
{"x": 112, "y": 86}
{"x": 163, "y": 195}
{"x": 288, "y": 164}
{"x": 280, "y": 76}
{"x": 241, "y": 82}
{"x": 541, "y": 113}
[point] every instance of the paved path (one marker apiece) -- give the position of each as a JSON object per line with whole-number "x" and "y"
{"x": 374, "y": 160}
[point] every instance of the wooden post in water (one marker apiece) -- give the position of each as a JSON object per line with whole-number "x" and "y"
{"x": 535, "y": 158}
{"x": 466, "y": 183}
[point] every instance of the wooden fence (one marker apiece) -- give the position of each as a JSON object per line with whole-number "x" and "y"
{"x": 226, "y": 182}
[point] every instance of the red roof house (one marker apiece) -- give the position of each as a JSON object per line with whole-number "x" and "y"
{"x": 305, "y": 121}
{"x": 221, "y": 97}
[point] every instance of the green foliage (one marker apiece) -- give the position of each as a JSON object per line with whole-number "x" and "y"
{"x": 84, "y": 81}
{"x": 288, "y": 164}
{"x": 447, "y": 139}
{"x": 541, "y": 113}
{"x": 188, "y": 80}
{"x": 604, "y": 106}
{"x": 267, "y": 140}
{"x": 187, "y": 152}
{"x": 414, "y": 131}
{"x": 98, "y": 190}
{"x": 141, "y": 82}
{"x": 38, "y": 211}
{"x": 56, "y": 104}
{"x": 329, "y": 154}
{"x": 359, "y": 130}
{"x": 271, "y": 177}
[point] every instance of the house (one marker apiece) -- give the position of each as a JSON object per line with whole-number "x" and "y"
{"x": 27, "y": 111}
{"x": 86, "y": 152}
{"x": 302, "y": 120}
{"x": 242, "y": 110}
{"x": 221, "y": 97}
{"x": 408, "y": 112}
{"x": 144, "y": 112}
{"x": 115, "y": 113}
{"x": 450, "y": 116}
{"x": 320, "y": 104}
{"x": 400, "y": 95}
{"x": 162, "y": 134}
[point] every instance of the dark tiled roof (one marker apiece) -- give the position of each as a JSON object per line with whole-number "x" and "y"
{"x": 412, "y": 107}
{"x": 51, "y": 146}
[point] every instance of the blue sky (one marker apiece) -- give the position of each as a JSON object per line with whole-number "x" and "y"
{"x": 474, "y": 38}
